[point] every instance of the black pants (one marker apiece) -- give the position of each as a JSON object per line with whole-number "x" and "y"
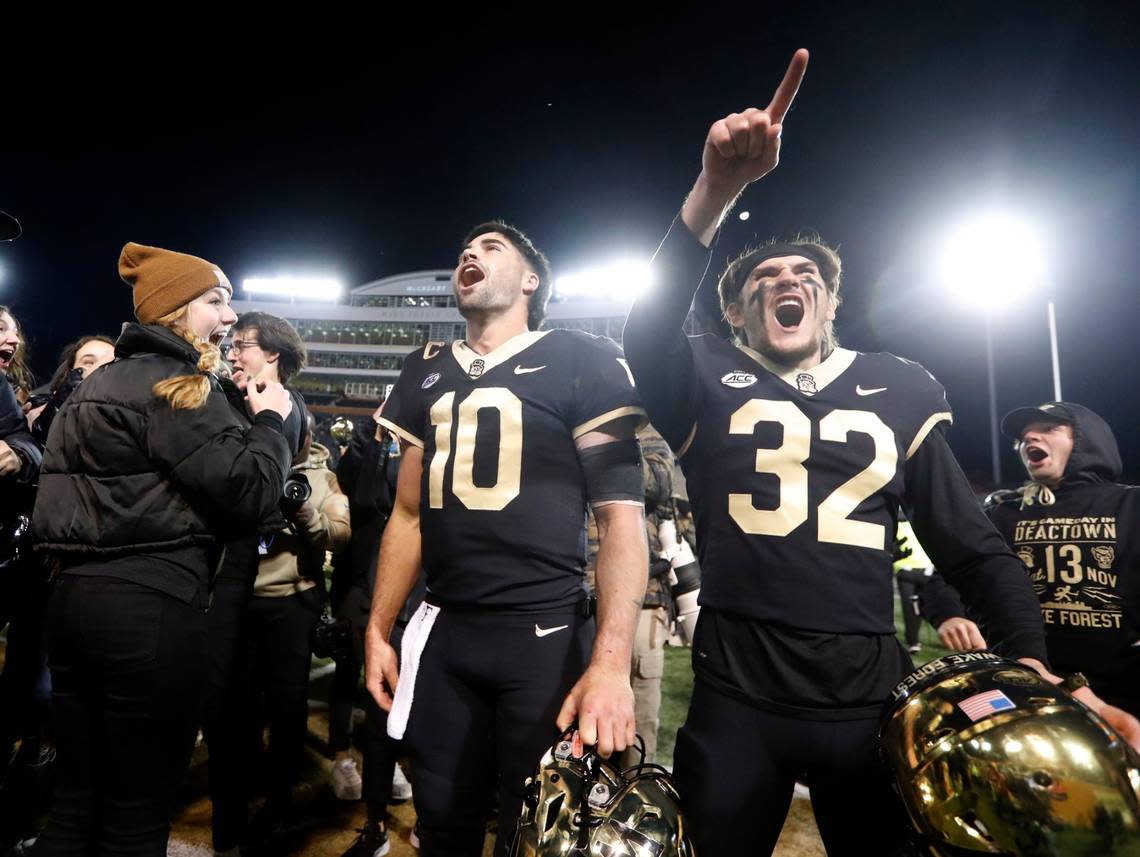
{"x": 736, "y": 766}
{"x": 225, "y": 701}
{"x": 128, "y": 670}
{"x": 270, "y": 684}
{"x": 486, "y": 698}
{"x": 25, "y": 685}
{"x": 378, "y": 750}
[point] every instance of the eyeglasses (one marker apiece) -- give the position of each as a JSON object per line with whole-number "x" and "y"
{"x": 240, "y": 345}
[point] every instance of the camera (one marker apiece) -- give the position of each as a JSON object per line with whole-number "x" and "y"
{"x": 296, "y": 491}
{"x": 332, "y": 638}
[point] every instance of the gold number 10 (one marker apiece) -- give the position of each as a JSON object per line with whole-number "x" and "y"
{"x": 786, "y": 463}
{"x": 508, "y": 408}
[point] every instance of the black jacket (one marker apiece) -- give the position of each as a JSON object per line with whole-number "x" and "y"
{"x": 124, "y": 473}
{"x": 367, "y": 474}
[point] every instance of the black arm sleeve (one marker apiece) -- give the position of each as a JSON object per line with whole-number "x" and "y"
{"x": 940, "y": 601}
{"x": 654, "y": 341}
{"x": 968, "y": 551}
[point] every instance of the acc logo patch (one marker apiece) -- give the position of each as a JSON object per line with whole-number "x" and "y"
{"x": 429, "y": 380}
{"x": 738, "y": 379}
{"x": 805, "y": 383}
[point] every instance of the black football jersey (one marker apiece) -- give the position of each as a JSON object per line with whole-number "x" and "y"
{"x": 503, "y": 501}
{"x": 796, "y": 478}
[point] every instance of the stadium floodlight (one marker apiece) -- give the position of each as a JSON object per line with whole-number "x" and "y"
{"x": 311, "y": 288}
{"x": 619, "y": 281}
{"x": 992, "y": 261}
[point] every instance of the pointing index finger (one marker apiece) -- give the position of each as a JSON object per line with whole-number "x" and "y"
{"x": 786, "y": 93}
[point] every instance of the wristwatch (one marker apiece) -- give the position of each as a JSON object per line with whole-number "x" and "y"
{"x": 1074, "y": 681}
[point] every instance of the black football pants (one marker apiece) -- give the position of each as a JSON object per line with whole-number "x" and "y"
{"x": 488, "y": 692}
{"x": 736, "y": 767}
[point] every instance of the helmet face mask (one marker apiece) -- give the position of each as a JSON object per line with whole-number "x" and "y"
{"x": 579, "y": 803}
{"x": 989, "y": 758}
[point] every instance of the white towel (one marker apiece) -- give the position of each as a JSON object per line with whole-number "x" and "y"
{"x": 415, "y": 638}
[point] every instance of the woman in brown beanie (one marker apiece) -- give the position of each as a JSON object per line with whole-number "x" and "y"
{"x": 148, "y": 470}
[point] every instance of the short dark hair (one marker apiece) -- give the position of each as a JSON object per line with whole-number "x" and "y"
{"x": 536, "y": 261}
{"x": 279, "y": 337}
{"x": 810, "y": 246}
{"x": 67, "y": 357}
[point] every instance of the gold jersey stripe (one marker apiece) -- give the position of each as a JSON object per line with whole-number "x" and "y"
{"x": 824, "y": 373}
{"x": 609, "y": 417}
{"x": 466, "y": 356}
{"x": 927, "y": 427}
{"x": 406, "y": 435}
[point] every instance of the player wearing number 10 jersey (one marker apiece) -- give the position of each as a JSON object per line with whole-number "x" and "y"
{"x": 502, "y": 523}
{"x": 798, "y": 456}
{"x": 507, "y": 436}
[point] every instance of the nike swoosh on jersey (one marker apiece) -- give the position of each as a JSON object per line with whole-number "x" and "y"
{"x": 543, "y": 632}
{"x": 519, "y": 370}
{"x": 870, "y": 392}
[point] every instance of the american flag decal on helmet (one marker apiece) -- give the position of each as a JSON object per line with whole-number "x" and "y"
{"x": 984, "y": 704}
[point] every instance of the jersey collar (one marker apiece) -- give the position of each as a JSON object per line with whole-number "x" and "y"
{"x": 476, "y": 365}
{"x": 807, "y": 381}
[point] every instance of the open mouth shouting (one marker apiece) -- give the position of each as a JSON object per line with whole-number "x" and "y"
{"x": 7, "y": 354}
{"x": 789, "y": 311}
{"x": 469, "y": 275}
{"x": 1035, "y": 454}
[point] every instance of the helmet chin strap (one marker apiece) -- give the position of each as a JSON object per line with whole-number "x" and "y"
{"x": 585, "y": 822}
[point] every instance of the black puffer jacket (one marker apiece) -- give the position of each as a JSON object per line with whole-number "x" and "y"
{"x": 125, "y": 473}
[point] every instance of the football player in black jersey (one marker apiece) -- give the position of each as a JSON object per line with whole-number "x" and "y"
{"x": 798, "y": 455}
{"x": 507, "y": 436}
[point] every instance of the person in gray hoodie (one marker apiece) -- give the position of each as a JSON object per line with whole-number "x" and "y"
{"x": 1071, "y": 525}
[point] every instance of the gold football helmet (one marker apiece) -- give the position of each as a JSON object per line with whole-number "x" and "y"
{"x": 341, "y": 430}
{"x": 989, "y": 758}
{"x": 581, "y": 804}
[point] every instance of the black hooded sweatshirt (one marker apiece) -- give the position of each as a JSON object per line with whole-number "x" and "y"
{"x": 1080, "y": 543}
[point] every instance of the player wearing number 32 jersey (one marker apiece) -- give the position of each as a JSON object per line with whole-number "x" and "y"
{"x": 798, "y": 456}
{"x": 507, "y": 436}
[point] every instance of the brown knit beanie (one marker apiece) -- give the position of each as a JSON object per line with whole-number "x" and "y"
{"x": 164, "y": 280}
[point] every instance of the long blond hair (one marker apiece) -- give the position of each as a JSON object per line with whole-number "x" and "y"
{"x": 187, "y": 392}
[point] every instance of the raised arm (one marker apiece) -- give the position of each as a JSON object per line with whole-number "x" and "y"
{"x": 739, "y": 149}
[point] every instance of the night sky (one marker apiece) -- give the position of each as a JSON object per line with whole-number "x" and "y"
{"x": 366, "y": 148}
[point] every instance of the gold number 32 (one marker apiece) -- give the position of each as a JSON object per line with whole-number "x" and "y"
{"x": 786, "y": 463}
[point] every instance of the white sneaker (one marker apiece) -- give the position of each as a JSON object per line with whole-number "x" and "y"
{"x": 346, "y": 780}
{"x": 401, "y": 788}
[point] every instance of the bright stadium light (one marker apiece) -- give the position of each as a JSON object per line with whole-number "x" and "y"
{"x": 312, "y": 288}
{"x": 992, "y": 261}
{"x": 617, "y": 281}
